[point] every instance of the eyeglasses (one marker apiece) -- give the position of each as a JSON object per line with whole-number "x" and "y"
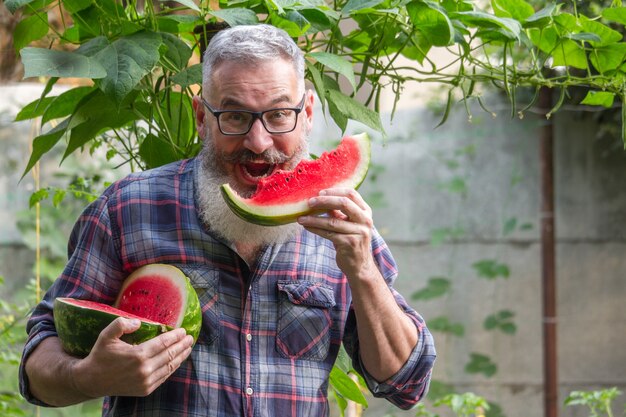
{"x": 239, "y": 122}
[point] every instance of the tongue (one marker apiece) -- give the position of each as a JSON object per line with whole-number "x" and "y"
{"x": 257, "y": 169}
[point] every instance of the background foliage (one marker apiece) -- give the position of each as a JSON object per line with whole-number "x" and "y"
{"x": 136, "y": 65}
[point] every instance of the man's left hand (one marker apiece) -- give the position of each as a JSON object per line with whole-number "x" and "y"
{"x": 348, "y": 225}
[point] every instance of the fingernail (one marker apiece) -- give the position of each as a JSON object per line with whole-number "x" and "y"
{"x": 313, "y": 201}
{"x": 134, "y": 322}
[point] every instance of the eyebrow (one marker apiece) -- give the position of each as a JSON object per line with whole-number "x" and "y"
{"x": 228, "y": 102}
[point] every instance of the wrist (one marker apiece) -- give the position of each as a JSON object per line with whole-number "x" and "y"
{"x": 78, "y": 379}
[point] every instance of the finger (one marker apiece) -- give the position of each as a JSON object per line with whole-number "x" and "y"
{"x": 168, "y": 361}
{"x": 350, "y": 193}
{"x": 163, "y": 342}
{"x": 119, "y": 327}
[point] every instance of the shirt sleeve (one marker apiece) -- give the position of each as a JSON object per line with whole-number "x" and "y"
{"x": 411, "y": 382}
{"x": 92, "y": 259}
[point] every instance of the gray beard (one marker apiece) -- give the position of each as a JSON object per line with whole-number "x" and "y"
{"x": 220, "y": 219}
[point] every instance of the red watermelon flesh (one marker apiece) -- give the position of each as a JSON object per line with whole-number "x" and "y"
{"x": 93, "y": 305}
{"x": 309, "y": 177}
{"x": 151, "y": 298}
{"x": 283, "y": 196}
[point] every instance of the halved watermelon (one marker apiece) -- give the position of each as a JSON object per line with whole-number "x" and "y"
{"x": 79, "y": 322}
{"x": 151, "y": 291}
{"x": 283, "y": 196}
{"x": 159, "y": 295}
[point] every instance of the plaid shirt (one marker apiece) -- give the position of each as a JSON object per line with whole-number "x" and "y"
{"x": 270, "y": 335}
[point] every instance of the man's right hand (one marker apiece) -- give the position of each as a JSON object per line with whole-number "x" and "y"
{"x": 113, "y": 367}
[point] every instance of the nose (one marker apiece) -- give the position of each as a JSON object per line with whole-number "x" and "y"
{"x": 258, "y": 139}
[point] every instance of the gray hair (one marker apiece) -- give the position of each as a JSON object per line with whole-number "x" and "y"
{"x": 251, "y": 44}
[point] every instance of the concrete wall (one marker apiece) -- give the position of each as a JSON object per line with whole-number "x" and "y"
{"x": 498, "y": 161}
{"x": 416, "y": 187}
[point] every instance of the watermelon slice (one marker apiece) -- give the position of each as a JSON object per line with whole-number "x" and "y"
{"x": 159, "y": 295}
{"x": 79, "y": 322}
{"x": 283, "y": 196}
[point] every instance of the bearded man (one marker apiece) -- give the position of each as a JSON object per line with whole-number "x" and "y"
{"x": 277, "y": 302}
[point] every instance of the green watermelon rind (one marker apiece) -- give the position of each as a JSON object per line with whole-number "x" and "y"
{"x": 78, "y": 327}
{"x": 280, "y": 214}
{"x": 192, "y": 318}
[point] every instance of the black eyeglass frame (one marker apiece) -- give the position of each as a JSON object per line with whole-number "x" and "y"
{"x": 255, "y": 115}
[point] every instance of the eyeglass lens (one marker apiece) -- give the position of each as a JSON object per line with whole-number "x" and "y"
{"x": 275, "y": 121}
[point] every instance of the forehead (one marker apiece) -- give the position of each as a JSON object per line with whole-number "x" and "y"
{"x": 251, "y": 82}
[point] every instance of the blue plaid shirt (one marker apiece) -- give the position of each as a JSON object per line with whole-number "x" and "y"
{"x": 269, "y": 335}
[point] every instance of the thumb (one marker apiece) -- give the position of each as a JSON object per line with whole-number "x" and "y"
{"x": 119, "y": 327}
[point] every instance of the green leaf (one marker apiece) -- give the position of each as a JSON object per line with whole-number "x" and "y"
{"x": 515, "y": 9}
{"x": 189, "y": 76}
{"x": 346, "y": 387}
{"x": 356, "y": 5}
{"x": 96, "y": 113}
{"x": 58, "y": 197}
{"x": 608, "y": 58}
{"x": 567, "y": 23}
{"x": 491, "y": 269}
{"x": 75, "y": 6}
{"x": 438, "y": 236}
{"x": 502, "y": 320}
{"x": 187, "y": 3}
{"x": 127, "y": 60}
{"x": 34, "y": 109}
{"x": 318, "y": 83}
{"x": 569, "y": 54}
{"x": 584, "y": 36}
{"x": 65, "y": 103}
{"x": 615, "y": 14}
{"x": 436, "y": 287}
{"x": 509, "y": 226}
{"x": 354, "y": 110}
{"x": 606, "y": 34}
{"x": 432, "y": 21}
{"x": 511, "y": 27}
{"x": 545, "y": 39}
{"x": 319, "y": 20}
{"x": 155, "y": 151}
{"x": 337, "y": 64}
{"x": 291, "y": 22}
{"x": 43, "y": 143}
{"x": 236, "y": 16}
{"x": 599, "y": 98}
{"x": 342, "y": 120}
{"x": 177, "y": 52}
{"x": 41, "y": 62}
{"x": 38, "y": 196}
{"x": 444, "y": 325}
{"x": 177, "y": 116}
{"x": 543, "y": 17}
{"x": 481, "y": 364}
{"x": 30, "y": 29}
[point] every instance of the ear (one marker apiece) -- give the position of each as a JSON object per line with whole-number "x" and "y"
{"x": 200, "y": 113}
{"x": 309, "y": 102}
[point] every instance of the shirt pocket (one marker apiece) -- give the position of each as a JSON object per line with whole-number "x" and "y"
{"x": 304, "y": 319}
{"x": 206, "y": 284}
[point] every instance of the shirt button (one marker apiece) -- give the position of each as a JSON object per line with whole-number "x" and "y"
{"x": 248, "y": 337}
{"x": 249, "y": 391}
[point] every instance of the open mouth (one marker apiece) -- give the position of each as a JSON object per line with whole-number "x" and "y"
{"x": 254, "y": 171}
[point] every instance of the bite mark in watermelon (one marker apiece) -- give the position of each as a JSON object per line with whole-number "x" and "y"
{"x": 159, "y": 295}
{"x": 283, "y": 196}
